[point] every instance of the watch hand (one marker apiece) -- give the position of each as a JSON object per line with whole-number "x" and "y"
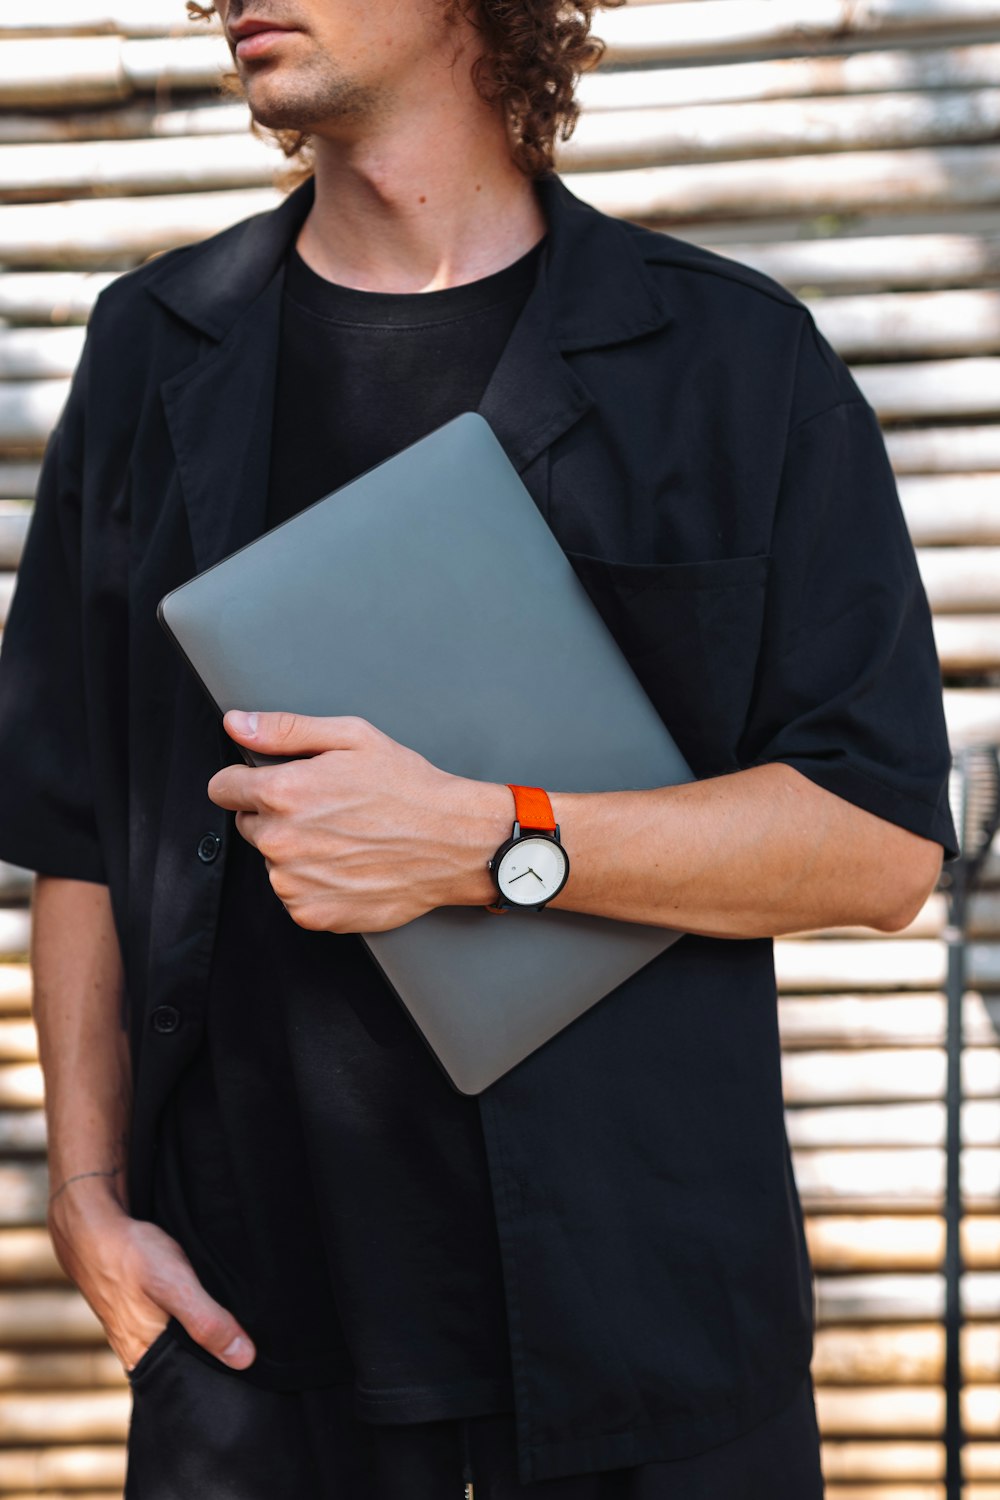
{"x": 538, "y": 877}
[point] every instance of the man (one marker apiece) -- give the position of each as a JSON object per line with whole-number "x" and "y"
{"x": 327, "y": 1272}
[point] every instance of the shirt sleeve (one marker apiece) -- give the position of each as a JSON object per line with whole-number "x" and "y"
{"x": 848, "y": 683}
{"x": 47, "y": 810}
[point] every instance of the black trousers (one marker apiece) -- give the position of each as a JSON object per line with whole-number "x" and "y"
{"x": 200, "y": 1432}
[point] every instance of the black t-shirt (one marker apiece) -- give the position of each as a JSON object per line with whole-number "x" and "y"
{"x": 393, "y": 1231}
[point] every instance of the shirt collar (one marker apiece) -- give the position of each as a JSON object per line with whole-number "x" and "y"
{"x": 601, "y": 289}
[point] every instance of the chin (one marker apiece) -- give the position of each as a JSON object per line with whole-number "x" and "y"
{"x": 305, "y": 103}
{"x": 271, "y": 106}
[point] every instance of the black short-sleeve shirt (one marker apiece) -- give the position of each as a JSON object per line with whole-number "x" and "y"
{"x": 720, "y": 484}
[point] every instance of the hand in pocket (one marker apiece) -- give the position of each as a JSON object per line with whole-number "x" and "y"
{"x": 136, "y": 1277}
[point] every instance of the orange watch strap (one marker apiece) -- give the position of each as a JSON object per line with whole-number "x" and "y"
{"x": 532, "y": 807}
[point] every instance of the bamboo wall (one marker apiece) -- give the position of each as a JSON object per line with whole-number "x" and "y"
{"x": 851, "y": 148}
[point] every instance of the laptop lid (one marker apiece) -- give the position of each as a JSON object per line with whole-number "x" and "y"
{"x": 430, "y": 597}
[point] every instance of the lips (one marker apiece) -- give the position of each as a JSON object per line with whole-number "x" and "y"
{"x": 253, "y": 38}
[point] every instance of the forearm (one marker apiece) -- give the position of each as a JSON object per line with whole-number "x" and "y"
{"x": 753, "y": 854}
{"x": 83, "y": 1047}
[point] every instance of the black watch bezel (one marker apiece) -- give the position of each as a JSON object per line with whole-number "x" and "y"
{"x": 503, "y": 903}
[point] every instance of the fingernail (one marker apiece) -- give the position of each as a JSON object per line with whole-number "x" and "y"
{"x": 243, "y": 723}
{"x": 238, "y": 1347}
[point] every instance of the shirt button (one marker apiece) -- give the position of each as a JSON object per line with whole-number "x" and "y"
{"x": 208, "y": 847}
{"x": 165, "y": 1018}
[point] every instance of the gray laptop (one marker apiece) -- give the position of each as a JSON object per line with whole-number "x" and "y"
{"x": 424, "y": 596}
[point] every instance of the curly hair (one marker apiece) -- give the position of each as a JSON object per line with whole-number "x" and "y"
{"x": 533, "y": 54}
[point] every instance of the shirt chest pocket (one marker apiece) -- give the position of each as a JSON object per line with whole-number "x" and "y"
{"x": 691, "y": 632}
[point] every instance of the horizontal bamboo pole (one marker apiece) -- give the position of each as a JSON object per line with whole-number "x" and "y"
{"x": 898, "y": 69}
{"x": 124, "y": 17}
{"x": 887, "y": 1355}
{"x": 915, "y": 325}
{"x": 939, "y": 450}
{"x": 973, "y": 716}
{"x": 20, "y": 1088}
{"x": 64, "y": 1416}
{"x": 903, "y": 1411}
{"x": 872, "y": 1020}
{"x": 22, "y": 1131}
{"x": 883, "y": 1075}
{"x": 895, "y": 1242}
{"x": 902, "y": 1179}
{"x": 23, "y": 1201}
{"x": 109, "y": 232}
{"x": 29, "y": 411}
{"x": 14, "y": 519}
{"x": 889, "y": 1124}
{"x": 140, "y": 121}
{"x": 885, "y": 1298}
{"x": 878, "y": 964}
{"x": 15, "y": 924}
{"x": 15, "y": 984}
{"x": 694, "y": 133}
{"x": 58, "y": 1317}
{"x": 58, "y": 297}
{"x": 18, "y": 1040}
{"x": 968, "y": 644}
{"x": 156, "y": 64}
{"x": 720, "y": 27}
{"x": 898, "y": 1492}
{"x": 920, "y": 179}
{"x": 883, "y": 1461}
{"x": 950, "y": 509}
{"x": 961, "y": 579}
{"x": 39, "y": 353}
{"x": 932, "y": 388}
{"x": 906, "y": 1355}
{"x": 27, "y": 1256}
{"x": 72, "y": 1468}
{"x": 982, "y": 1460}
{"x": 15, "y": 883}
{"x": 846, "y": 262}
{"x": 18, "y": 482}
{"x": 66, "y": 1369}
{"x": 93, "y": 168}
{"x": 58, "y": 72}
{"x": 116, "y": 1495}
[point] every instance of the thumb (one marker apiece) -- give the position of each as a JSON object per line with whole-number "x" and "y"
{"x": 209, "y": 1324}
{"x": 284, "y": 732}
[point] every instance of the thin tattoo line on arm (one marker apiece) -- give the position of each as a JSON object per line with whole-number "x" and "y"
{"x": 107, "y": 1172}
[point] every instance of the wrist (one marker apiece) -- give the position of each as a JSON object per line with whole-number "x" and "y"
{"x": 85, "y": 1189}
{"x": 486, "y": 820}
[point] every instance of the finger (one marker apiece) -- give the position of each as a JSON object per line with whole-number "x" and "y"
{"x": 208, "y": 1323}
{"x": 282, "y": 733}
{"x": 234, "y": 788}
{"x": 247, "y": 825}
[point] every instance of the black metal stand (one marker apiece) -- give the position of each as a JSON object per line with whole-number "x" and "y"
{"x": 975, "y": 795}
{"x": 954, "y": 1436}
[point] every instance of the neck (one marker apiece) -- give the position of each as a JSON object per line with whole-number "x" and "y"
{"x": 436, "y": 204}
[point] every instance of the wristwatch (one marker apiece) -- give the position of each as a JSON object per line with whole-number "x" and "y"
{"x": 531, "y": 866}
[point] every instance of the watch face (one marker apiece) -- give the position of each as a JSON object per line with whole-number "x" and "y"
{"x": 532, "y": 871}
